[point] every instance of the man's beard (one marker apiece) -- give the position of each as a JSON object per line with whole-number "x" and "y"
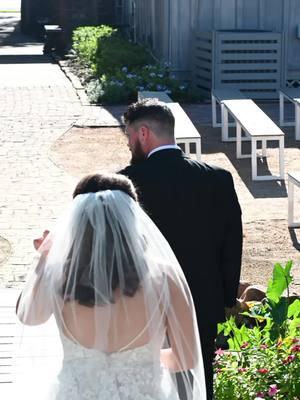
{"x": 137, "y": 156}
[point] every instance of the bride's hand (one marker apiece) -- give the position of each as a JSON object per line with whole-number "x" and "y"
{"x": 38, "y": 242}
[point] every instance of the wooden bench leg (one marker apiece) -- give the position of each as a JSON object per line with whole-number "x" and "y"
{"x": 264, "y": 148}
{"x": 187, "y": 148}
{"x": 214, "y": 111}
{"x": 254, "y": 154}
{"x": 297, "y": 122}
{"x": 281, "y": 158}
{"x": 290, "y": 203}
{"x": 198, "y": 149}
{"x": 238, "y": 140}
{"x": 254, "y": 159}
{"x": 224, "y": 114}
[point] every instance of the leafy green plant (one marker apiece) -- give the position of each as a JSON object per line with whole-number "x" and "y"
{"x": 114, "y": 51}
{"x": 86, "y": 40}
{"x": 263, "y": 361}
{"x": 123, "y": 85}
{"x": 119, "y": 68}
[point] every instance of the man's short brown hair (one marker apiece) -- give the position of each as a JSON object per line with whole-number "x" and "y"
{"x": 152, "y": 112}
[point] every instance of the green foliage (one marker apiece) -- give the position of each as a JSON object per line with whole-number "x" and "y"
{"x": 263, "y": 361}
{"x": 114, "y": 51}
{"x": 280, "y": 282}
{"x": 120, "y": 68}
{"x": 85, "y": 41}
{"x": 123, "y": 85}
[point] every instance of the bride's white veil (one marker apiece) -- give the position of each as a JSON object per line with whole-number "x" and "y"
{"x": 113, "y": 284}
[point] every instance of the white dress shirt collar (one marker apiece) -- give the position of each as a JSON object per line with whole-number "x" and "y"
{"x": 164, "y": 147}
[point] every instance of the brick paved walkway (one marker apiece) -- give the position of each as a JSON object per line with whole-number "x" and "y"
{"x": 38, "y": 103}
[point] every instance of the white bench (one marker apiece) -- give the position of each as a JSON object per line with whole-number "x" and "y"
{"x": 293, "y": 180}
{"x": 161, "y": 96}
{"x": 185, "y": 131}
{"x": 292, "y": 95}
{"x": 217, "y": 97}
{"x": 259, "y": 128}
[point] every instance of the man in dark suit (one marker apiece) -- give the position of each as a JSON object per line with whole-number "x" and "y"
{"x": 196, "y": 208}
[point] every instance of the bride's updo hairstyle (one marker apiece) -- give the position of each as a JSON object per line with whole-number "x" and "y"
{"x": 95, "y": 182}
{"x": 85, "y": 292}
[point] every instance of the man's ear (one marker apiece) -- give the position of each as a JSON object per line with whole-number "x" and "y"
{"x": 144, "y": 134}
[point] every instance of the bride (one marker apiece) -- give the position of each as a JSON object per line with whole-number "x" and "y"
{"x": 124, "y": 313}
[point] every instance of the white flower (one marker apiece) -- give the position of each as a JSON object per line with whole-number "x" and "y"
{"x": 130, "y": 76}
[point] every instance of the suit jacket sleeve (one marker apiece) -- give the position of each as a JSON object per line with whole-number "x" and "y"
{"x": 232, "y": 244}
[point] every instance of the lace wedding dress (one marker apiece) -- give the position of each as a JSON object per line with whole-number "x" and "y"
{"x": 88, "y": 374}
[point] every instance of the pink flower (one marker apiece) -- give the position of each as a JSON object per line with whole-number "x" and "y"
{"x": 296, "y": 349}
{"x": 219, "y": 352}
{"x": 263, "y": 346}
{"x": 244, "y": 345}
{"x": 263, "y": 370}
{"x": 242, "y": 369}
{"x": 273, "y": 390}
{"x": 260, "y": 395}
{"x": 289, "y": 359}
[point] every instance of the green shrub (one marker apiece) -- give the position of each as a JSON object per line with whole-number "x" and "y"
{"x": 113, "y": 52}
{"x": 120, "y": 68}
{"x": 85, "y": 42}
{"x": 123, "y": 85}
{"x": 263, "y": 362}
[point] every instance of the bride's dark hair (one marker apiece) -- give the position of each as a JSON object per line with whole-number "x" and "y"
{"x": 85, "y": 293}
{"x": 96, "y": 182}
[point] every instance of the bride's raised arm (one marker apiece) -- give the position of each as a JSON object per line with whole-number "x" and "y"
{"x": 33, "y": 306}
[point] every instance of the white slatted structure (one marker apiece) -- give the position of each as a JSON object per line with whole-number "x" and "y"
{"x": 250, "y": 61}
{"x": 203, "y": 63}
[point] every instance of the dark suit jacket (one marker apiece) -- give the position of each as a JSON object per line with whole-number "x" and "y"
{"x": 196, "y": 208}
